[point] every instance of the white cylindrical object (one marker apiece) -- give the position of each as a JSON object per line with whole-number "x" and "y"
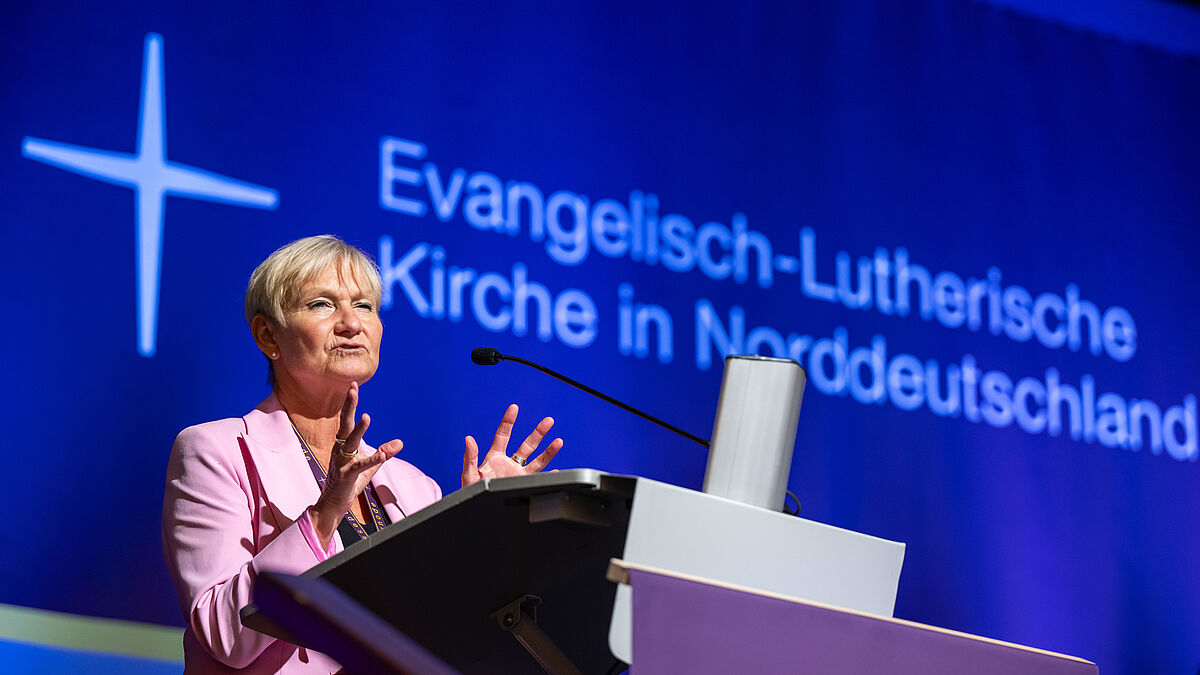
{"x": 750, "y": 455}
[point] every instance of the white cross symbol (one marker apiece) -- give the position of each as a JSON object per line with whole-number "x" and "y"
{"x": 152, "y": 177}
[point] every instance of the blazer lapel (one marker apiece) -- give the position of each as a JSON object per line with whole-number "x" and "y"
{"x": 279, "y": 461}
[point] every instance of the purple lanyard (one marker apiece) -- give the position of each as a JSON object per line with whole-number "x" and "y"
{"x": 318, "y": 473}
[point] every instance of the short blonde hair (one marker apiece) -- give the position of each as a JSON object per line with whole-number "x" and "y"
{"x": 276, "y": 282}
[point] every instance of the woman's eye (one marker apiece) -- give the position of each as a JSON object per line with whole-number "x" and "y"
{"x": 366, "y": 306}
{"x": 319, "y": 304}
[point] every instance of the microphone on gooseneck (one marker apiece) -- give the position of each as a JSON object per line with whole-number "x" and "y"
{"x": 486, "y": 356}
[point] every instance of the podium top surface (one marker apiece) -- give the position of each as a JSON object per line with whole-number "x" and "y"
{"x": 582, "y": 481}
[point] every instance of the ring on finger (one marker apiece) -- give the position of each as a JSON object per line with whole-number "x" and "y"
{"x": 519, "y": 460}
{"x": 340, "y": 447}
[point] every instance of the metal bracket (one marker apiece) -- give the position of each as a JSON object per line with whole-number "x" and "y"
{"x": 570, "y": 507}
{"x": 519, "y": 617}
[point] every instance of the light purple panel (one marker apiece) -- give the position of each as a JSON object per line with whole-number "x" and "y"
{"x": 688, "y": 627}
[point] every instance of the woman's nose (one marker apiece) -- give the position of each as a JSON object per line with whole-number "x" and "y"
{"x": 348, "y": 320}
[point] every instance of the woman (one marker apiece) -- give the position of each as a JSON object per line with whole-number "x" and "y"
{"x": 292, "y": 482}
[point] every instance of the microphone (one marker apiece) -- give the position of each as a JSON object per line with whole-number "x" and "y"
{"x": 486, "y": 356}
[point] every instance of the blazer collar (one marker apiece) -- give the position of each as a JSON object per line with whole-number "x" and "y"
{"x": 268, "y": 424}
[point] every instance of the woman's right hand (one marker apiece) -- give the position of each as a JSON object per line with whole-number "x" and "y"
{"x": 349, "y": 470}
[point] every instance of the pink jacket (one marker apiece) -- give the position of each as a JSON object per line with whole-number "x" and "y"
{"x": 236, "y": 503}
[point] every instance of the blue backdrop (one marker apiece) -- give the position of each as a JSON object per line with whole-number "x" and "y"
{"x": 975, "y": 229}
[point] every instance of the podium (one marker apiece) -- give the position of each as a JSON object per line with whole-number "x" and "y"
{"x": 444, "y": 575}
{"x": 510, "y": 575}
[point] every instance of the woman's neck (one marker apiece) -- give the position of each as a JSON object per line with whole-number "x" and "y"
{"x": 316, "y": 414}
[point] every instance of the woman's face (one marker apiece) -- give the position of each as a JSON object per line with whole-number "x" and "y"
{"x": 332, "y": 333}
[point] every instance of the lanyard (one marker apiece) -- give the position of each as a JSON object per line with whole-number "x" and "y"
{"x": 319, "y": 474}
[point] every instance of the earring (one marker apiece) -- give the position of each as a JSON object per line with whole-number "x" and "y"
{"x": 274, "y": 355}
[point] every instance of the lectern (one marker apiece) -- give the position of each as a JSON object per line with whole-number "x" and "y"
{"x": 508, "y": 575}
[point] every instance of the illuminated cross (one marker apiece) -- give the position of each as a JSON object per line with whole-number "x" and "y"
{"x": 152, "y": 177}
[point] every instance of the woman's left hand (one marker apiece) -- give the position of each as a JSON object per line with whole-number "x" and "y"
{"x": 497, "y": 463}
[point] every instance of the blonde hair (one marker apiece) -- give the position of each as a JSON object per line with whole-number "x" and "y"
{"x": 276, "y": 282}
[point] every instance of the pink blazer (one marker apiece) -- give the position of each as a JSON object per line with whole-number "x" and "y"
{"x": 236, "y": 503}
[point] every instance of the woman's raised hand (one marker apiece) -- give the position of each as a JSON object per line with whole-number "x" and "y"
{"x": 497, "y": 463}
{"x": 349, "y": 470}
